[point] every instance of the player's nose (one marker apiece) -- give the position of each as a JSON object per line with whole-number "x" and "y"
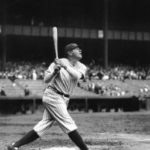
{"x": 80, "y": 51}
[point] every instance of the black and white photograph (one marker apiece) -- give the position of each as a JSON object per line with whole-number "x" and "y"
{"x": 74, "y": 75}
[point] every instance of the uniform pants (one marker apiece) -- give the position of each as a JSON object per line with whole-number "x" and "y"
{"x": 55, "y": 110}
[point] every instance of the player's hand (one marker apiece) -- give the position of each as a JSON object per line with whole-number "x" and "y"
{"x": 57, "y": 68}
{"x": 56, "y": 61}
{"x": 60, "y": 63}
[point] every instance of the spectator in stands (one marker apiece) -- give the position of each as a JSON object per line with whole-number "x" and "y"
{"x": 26, "y": 90}
{"x": 98, "y": 88}
{"x": 2, "y": 91}
{"x": 34, "y": 75}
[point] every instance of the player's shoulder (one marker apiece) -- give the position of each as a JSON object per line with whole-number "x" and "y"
{"x": 64, "y": 59}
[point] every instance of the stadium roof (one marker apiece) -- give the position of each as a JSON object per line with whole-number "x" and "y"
{"x": 129, "y": 14}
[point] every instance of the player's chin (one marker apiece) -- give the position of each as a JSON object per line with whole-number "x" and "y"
{"x": 79, "y": 57}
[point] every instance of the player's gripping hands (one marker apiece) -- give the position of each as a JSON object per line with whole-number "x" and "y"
{"x": 57, "y": 68}
{"x": 60, "y": 63}
{"x": 49, "y": 74}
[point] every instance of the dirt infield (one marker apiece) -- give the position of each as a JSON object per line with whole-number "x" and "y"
{"x": 101, "y": 131}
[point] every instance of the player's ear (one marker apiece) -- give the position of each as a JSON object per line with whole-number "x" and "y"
{"x": 69, "y": 53}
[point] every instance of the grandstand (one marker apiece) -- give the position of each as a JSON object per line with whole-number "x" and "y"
{"x": 83, "y": 98}
{"x": 102, "y": 34}
{"x": 36, "y": 87}
{"x": 11, "y": 89}
{"x": 131, "y": 88}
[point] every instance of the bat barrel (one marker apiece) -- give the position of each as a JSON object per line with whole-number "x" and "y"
{"x": 55, "y": 40}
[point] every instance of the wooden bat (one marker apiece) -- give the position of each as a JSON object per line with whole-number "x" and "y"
{"x": 55, "y": 40}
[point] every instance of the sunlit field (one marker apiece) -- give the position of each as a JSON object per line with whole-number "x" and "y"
{"x": 101, "y": 131}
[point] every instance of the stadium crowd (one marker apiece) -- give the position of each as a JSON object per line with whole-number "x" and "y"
{"x": 98, "y": 79}
{"x": 119, "y": 72}
{"x": 35, "y": 71}
{"x": 23, "y": 70}
{"x": 116, "y": 72}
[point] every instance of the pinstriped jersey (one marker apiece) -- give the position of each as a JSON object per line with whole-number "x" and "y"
{"x": 64, "y": 82}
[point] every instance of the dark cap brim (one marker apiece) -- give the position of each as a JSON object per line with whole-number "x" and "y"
{"x": 71, "y": 46}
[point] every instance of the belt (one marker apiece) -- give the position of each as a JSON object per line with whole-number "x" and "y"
{"x": 58, "y": 92}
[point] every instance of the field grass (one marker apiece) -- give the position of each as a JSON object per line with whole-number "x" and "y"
{"x": 101, "y": 131}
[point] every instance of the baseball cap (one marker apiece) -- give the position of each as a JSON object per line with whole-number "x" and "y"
{"x": 71, "y": 46}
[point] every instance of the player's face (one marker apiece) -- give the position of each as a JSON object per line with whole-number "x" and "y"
{"x": 77, "y": 53}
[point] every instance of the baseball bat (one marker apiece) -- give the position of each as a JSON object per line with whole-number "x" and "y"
{"x": 55, "y": 40}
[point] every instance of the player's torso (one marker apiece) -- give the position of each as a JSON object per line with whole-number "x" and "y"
{"x": 64, "y": 82}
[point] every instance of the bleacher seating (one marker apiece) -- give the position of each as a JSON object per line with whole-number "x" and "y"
{"x": 81, "y": 93}
{"x": 130, "y": 87}
{"x": 82, "y": 97}
{"x": 11, "y": 89}
{"x": 37, "y": 87}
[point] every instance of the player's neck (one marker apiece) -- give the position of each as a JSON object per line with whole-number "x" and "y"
{"x": 73, "y": 61}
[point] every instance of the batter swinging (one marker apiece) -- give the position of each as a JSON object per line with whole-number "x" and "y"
{"x": 61, "y": 76}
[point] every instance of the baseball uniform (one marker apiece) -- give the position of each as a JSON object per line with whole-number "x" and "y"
{"x": 56, "y": 98}
{"x": 61, "y": 77}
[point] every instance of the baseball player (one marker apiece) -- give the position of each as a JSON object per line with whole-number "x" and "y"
{"x": 61, "y": 76}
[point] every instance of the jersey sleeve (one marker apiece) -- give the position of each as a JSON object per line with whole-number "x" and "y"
{"x": 50, "y": 68}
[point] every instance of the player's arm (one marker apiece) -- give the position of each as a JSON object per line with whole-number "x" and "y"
{"x": 77, "y": 74}
{"x": 51, "y": 72}
{"x": 74, "y": 73}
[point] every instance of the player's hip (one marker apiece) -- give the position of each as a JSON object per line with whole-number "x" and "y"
{"x": 51, "y": 96}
